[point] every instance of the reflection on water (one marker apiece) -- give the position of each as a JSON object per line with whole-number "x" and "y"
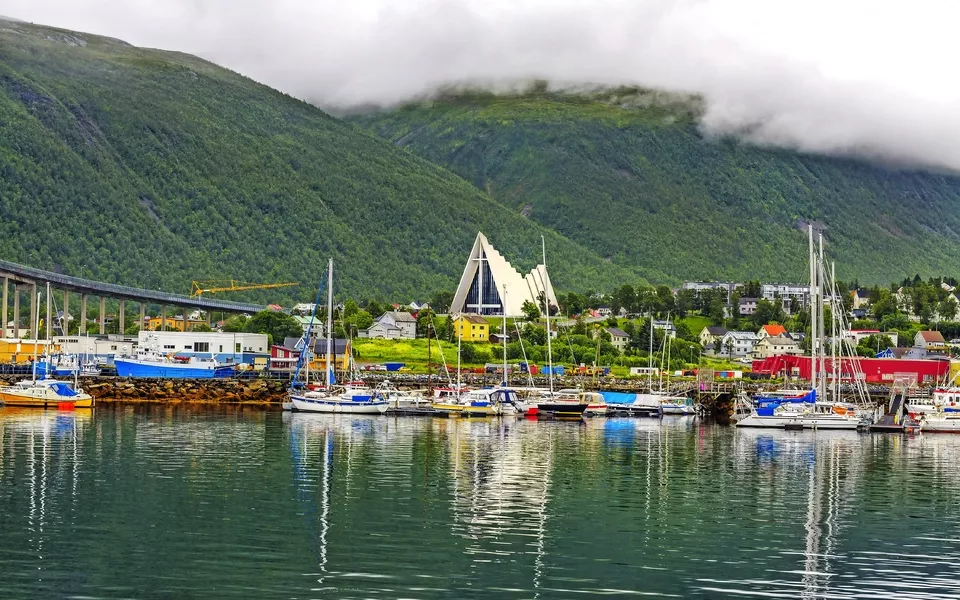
{"x": 174, "y": 502}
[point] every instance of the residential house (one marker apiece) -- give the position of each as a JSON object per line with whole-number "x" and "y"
{"x": 860, "y": 298}
{"x": 340, "y": 348}
{"x": 797, "y": 293}
{"x": 667, "y": 327}
{"x": 709, "y": 336}
{"x": 173, "y": 323}
{"x": 471, "y": 328}
{"x": 618, "y": 338}
{"x": 604, "y": 311}
{"x": 393, "y": 325}
{"x": 776, "y": 345}
{"x": 304, "y": 308}
{"x": 931, "y": 341}
{"x": 748, "y": 306}
{"x": 317, "y": 329}
{"x": 701, "y": 286}
{"x": 772, "y": 330}
{"x": 283, "y": 358}
{"x": 855, "y": 336}
{"x": 737, "y": 344}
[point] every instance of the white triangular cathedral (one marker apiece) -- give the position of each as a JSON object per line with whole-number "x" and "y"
{"x": 488, "y": 279}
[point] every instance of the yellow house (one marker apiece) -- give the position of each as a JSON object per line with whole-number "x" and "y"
{"x": 341, "y": 356}
{"x": 471, "y": 328}
{"x": 14, "y": 351}
{"x": 173, "y": 323}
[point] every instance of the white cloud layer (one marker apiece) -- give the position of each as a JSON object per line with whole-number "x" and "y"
{"x": 862, "y": 77}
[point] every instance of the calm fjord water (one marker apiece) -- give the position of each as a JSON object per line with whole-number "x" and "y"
{"x": 180, "y": 503}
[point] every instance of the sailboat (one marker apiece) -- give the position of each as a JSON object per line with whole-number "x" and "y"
{"x": 551, "y": 403}
{"x": 812, "y": 408}
{"x": 348, "y": 399}
{"x": 43, "y": 393}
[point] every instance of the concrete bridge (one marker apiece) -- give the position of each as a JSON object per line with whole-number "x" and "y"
{"x": 17, "y": 277}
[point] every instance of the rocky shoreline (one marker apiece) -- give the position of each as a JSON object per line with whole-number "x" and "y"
{"x": 193, "y": 391}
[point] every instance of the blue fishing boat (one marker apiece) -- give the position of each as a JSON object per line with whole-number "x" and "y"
{"x": 148, "y": 363}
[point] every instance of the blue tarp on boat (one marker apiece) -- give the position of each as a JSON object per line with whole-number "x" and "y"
{"x": 618, "y": 397}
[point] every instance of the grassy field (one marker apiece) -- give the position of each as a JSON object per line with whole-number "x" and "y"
{"x": 696, "y": 323}
{"x": 414, "y": 354}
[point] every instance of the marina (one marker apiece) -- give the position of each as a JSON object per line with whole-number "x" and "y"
{"x": 307, "y": 505}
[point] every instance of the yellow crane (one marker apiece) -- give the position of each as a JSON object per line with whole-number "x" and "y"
{"x": 231, "y": 285}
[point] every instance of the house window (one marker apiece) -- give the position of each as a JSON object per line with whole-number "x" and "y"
{"x": 201, "y": 346}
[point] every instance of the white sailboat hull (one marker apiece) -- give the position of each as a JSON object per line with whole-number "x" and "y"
{"x": 812, "y": 421}
{"x": 338, "y": 406}
{"x": 677, "y": 409}
{"x": 940, "y": 424}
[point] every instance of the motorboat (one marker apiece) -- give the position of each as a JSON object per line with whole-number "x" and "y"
{"x": 45, "y": 393}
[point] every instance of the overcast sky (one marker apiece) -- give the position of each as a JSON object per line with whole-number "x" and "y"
{"x": 838, "y": 76}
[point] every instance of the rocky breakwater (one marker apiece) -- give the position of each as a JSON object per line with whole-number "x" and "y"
{"x": 199, "y": 391}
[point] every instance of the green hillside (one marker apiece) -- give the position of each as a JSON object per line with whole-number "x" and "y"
{"x": 628, "y": 174}
{"x": 154, "y": 168}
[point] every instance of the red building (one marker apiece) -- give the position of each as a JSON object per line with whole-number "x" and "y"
{"x": 283, "y": 358}
{"x": 876, "y": 370}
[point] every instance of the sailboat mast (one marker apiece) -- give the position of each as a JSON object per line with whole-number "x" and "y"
{"x": 833, "y": 331}
{"x": 36, "y": 337}
{"x": 813, "y": 310}
{"x": 821, "y": 333}
{"x": 504, "y": 340}
{"x": 650, "y": 356}
{"x": 546, "y": 305}
{"x": 459, "y": 353}
{"x": 329, "y": 321}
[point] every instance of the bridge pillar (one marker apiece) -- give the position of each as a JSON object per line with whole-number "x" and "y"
{"x": 103, "y": 315}
{"x": 122, "y": 317}
{"x": 65, "y": 321}
{"x": 163, "y": 317}
{"x": 209, "y": 319}
{"x": 6, "y": 313}
{"x": 83, "y": 314}
{"x": 143, "y": 317}
{"x": 186, "y": 321}
{"x": 33, "y": 311}
{"x": 16, "y": 311}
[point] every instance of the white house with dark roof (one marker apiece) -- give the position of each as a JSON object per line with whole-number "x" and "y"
{"x": 737, "y": 344}
{"x": 618, "y": 338}
{"x": 392, "y": 324}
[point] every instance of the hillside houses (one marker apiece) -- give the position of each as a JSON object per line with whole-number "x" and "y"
{"x": 710, "y": 335}
{"x": 738, "y": 344}
{"x": 778, "y": 345}
{"x": 392, "y": 325}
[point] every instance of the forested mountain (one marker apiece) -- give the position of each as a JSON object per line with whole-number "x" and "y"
{"x": 154, "y": 168}
{"x": 629, "y": 174}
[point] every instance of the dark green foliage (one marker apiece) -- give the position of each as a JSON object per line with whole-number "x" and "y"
{"x": 634, "y": 179}
{"x": 155, "y": 168}
{"x": 277, "y": 325}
